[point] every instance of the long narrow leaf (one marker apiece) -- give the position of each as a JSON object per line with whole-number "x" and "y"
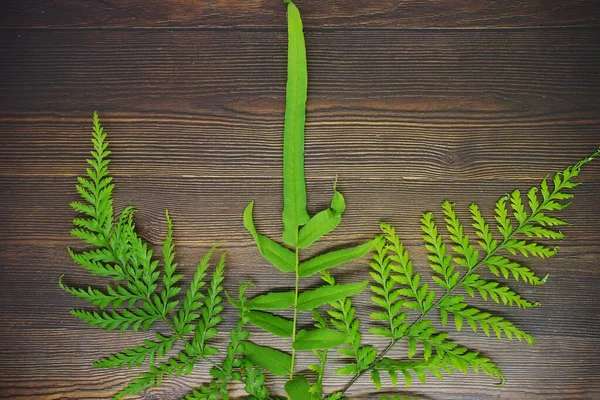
{"x": 328, "y": 294}
{"x": 282, "y": 258}
{"x": 272, "y": 301}
{"x": 334, "y": 258}
{"x": 294, "y": 188}
{"x": 275, "y": 361}
{"x": 274, "y": 324}
{"x": 320, "y": 339}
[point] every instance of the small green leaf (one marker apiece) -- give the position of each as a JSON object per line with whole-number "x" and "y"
{"x": 312, "y": 299}
{"x": 298, "y": 388}
{"x": 282, "y": 258}
{"x": 272, "y": 301}
{"x": 320, "y": 339}
{"x": 334, "y": 258}
{"x": 277, "y": 325}
{"x": 323, "y": 222}
{"x": 275, "y": 361}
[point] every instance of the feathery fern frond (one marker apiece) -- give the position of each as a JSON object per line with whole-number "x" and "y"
{"x": 142, "y": 295}
{"x": 530, "y": 219}
{"x": 343, "y": 317}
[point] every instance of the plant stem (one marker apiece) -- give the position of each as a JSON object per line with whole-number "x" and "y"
{"x": 450, "y": 290}
{"x": 296, "y": 285}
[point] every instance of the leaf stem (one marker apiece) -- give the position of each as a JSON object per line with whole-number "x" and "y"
{"x": 296, "y": 288}
{"x": 450, "y": 290}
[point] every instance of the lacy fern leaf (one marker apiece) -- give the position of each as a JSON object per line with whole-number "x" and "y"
{"x": 397, "y": 288}
{"x": 141, "y": 295}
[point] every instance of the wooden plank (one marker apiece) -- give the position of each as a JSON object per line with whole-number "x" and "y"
{"x": 316, "y": 14}
{"x": 474, "y": 105}
{"x": 572, "y": 277}
{"x": 550, "y": 370}
{"x": 208, "y": 211}
{"x": 408, "y": 118}
{"x": 441, "y": 78}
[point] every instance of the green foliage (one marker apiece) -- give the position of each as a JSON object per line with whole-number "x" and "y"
{"x": 140, "y": 295}
{"x": 397, "y": 289}
{"x": 143, "y": 295}
{"x": 299, "y": 232}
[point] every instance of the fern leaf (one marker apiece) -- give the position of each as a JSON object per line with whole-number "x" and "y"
{"x": 441, "y": 261}
{"x": 505, "y": 226}
{"x": 435, "y": 366}
{"x": 343, "y": 318}
{"x": 91, "y": 260}
{"x": 174, "y": 367}
{"x": 193, "y": 297}
{"x": 495, "y": 291}
{"x": 468, "y": 255}
{"x": 137, "y": 355}
{"x": 482, "y": 229}
{"x": 97, "y": 189}
{"x": 169, "y": 277}
{"x": 113, "y": 296}
{"x": 211, "y": 311}
{"x": 135, "y": 318}
{"x": 449, "y": 353}
{"x": 417, "y": 296}
{"x": 499, "y": 265}
{"x": 477, "y": 318}
{"x": 385, "y": 295}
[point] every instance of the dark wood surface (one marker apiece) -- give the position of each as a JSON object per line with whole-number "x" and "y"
{"x": 410, "y": 103}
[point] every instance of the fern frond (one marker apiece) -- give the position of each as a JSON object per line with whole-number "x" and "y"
{"x": 461, "y": 311}
{"x": 136, "y": 356}
{"x": 113, "y": 296}
{"x": 502, "y": 266}
{"x": 434, "y": 366}
{"x": 316, "y": 388}
{"x": 495, "y": 291}
{"x": 169, "y": 277}
{"x": 386, "y": 296}
{"x": 460, "y": 358}
{"x": 193, "y": 297}
{"x": 467, "y": 255}
{"x": 211, "y": 311}
{"x": 441, "y": 261}
{"x": 137, "y": 302}
{"x": 174, "y": 367}
{"x": 135, "y": 318}
{"x": 417, "y": 296}
{"x": 343, "y": 318}
{"x": 93, "y": 262}
{"x": 97, "y": 188}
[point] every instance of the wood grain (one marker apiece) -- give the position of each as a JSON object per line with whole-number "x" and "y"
{"x": 410, "y": 103}
{"x": 316, "y": 14}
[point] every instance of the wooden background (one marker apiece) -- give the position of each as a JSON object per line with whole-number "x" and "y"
{"x": 410, "y": 102}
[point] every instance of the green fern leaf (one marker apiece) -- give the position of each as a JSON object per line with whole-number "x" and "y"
{"x": 477, "y": 318}
{"x": 441, "y": 261}
{"x": 113, "y": 296}
{"x": 128, "y": 318}
{"x": 138, "y": 354}
{"x": 468, "y": 256}
{"x": 495, "y": 291}
{"x": 174, "y": 367}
